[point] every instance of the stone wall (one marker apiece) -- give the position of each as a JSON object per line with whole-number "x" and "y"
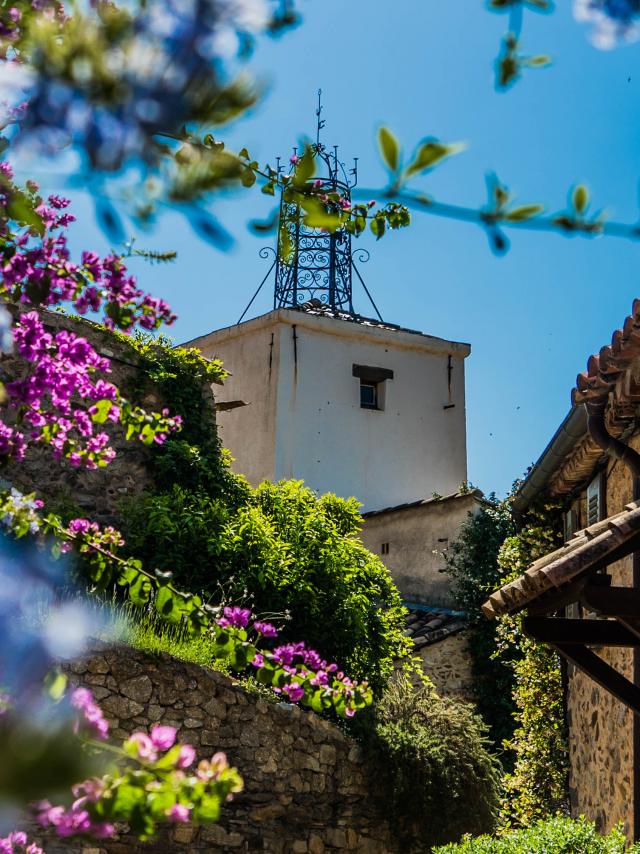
{"x": 98, "y": 492}
{"x": 600, "y": 726}
{"x": 448, "y": 664}
{"x": 307, "y": 785}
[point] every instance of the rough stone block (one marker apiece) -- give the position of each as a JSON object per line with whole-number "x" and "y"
{"x": 121, "y": 707}
{"x": 139, "y": 688}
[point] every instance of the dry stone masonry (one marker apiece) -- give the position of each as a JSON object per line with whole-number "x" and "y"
{"x": 307, "y": 786}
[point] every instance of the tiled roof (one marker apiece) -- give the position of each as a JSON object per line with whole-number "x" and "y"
{"x": 426, "y": 625}
{"x": 611, "y": 538}
{"x": 317, "y": 309}
{"x": 476, "y": 493}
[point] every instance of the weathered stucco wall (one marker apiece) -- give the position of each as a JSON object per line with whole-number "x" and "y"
{"x": 307, "y": 785}
{"x": 97, "y": 492}
{"x": 417, "y": 537}
{"x": 601, "y": 727}
{"x": 415, "y": 445}
{"x": 448, "y": 664}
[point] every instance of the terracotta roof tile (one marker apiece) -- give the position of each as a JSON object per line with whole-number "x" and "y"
{"x": 584, "y": 552}
{"x": 426, "y": 625}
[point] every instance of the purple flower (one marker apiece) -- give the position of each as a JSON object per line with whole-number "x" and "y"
{"x": 294, "y": 691}
{"x": 186, "y": 756}
{"x": 235, "y": 616}
{"x": 178, "y": 812}
{"x": 267, "y": 630}
{"x": 144, "y": 746}
{"x": 163, "y": 737}
{"x": 92, "y": 717}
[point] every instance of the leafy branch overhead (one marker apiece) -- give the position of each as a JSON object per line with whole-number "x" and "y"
{"x": 510, "y": 62}
{"x": 500, "y": 211}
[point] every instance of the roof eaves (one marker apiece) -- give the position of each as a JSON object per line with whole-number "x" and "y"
{"x": 436, "y": 499}
{"x": 563, "y": 442}
{"x": 615, "y": 536}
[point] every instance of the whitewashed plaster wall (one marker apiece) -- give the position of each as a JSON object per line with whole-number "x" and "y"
{"x": 416, "y": 538}
{"x": 305, "y": 421}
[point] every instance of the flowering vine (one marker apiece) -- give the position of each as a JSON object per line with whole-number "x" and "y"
{"x": 152, "y": 780}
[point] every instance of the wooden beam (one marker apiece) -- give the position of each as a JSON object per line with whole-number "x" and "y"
{"x": 612, "y": 601}
{"x": 588, "y": 632}
{"x": 602, "y": 673}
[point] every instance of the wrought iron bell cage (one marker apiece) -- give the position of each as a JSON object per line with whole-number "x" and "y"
{"x": 318, "y": 264}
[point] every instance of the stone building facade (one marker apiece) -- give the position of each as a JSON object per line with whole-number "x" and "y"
{"x": 308, "y": 787}
{"x": 591, "y": 467}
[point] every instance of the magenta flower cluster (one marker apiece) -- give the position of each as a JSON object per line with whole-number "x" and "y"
{"x": 293, "y": 670}
{"x": 306, "y": 668}
{"x": 38, "y": 271}
{"x": 64, "y": 369}
{"x": 164, "y": 768}
{"x": 91, "y": 720}
{"x": 17, "y": 842}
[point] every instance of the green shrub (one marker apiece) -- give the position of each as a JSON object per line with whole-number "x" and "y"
{"x": 472, "y": 563}
{"x": 553, "y": 836}
{"x": 288, "y": 550}
{"x": 438, "y": 778}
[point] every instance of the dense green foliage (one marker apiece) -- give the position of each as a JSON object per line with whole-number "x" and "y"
{"x": 472, "y": 562}
{"x": 280, "y": 548}
{"x": 286, "y": 550}
{"x": 432, "y": 758}
{"x": 553, "y": 836}
{"x": 193, "y": 458}
{"x": 537, "y": 786}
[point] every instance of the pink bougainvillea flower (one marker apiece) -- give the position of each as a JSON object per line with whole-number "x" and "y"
{"x": 163, "y": 737}
{"x": 186, "y": 756}
{"x": 178, "y": 812}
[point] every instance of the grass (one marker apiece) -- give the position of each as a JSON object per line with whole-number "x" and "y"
{"x": 145, "y": 631}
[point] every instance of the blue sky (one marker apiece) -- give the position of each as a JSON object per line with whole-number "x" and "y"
{"x": 426, "y": 68}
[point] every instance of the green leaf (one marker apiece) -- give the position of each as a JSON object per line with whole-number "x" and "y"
{"x": 102, "y": 410}
{"x": 580, "y": 198}
{"x": 305, "y": 167}
{"x": 248, "y": 178}
{"x": 389, "y": 148}
{"x": 55, "y": 684}
{"x": 378, "y": 226}
{"x": 166, "y": 605}
{"x": 539, "y": 61}
{"x": 431, "y": 152}
{"x": 523, "y": 213}
{"x": 140, "y": 590}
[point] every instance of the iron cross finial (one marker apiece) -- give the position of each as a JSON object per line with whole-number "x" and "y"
{"x": 320, "y": 120}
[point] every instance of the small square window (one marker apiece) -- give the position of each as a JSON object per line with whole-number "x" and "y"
{"x": 368, "y": 395}
{"x": 384, "y": 549}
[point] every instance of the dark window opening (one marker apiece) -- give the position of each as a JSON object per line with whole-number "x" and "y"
{"x": 384, "y": 549}
{"x": 595, "y": 500}
{"x": 368, "y": 395}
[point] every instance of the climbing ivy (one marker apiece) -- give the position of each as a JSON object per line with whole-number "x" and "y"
{"x": 194, "y": 458}
{"x": 537, "y": 786}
